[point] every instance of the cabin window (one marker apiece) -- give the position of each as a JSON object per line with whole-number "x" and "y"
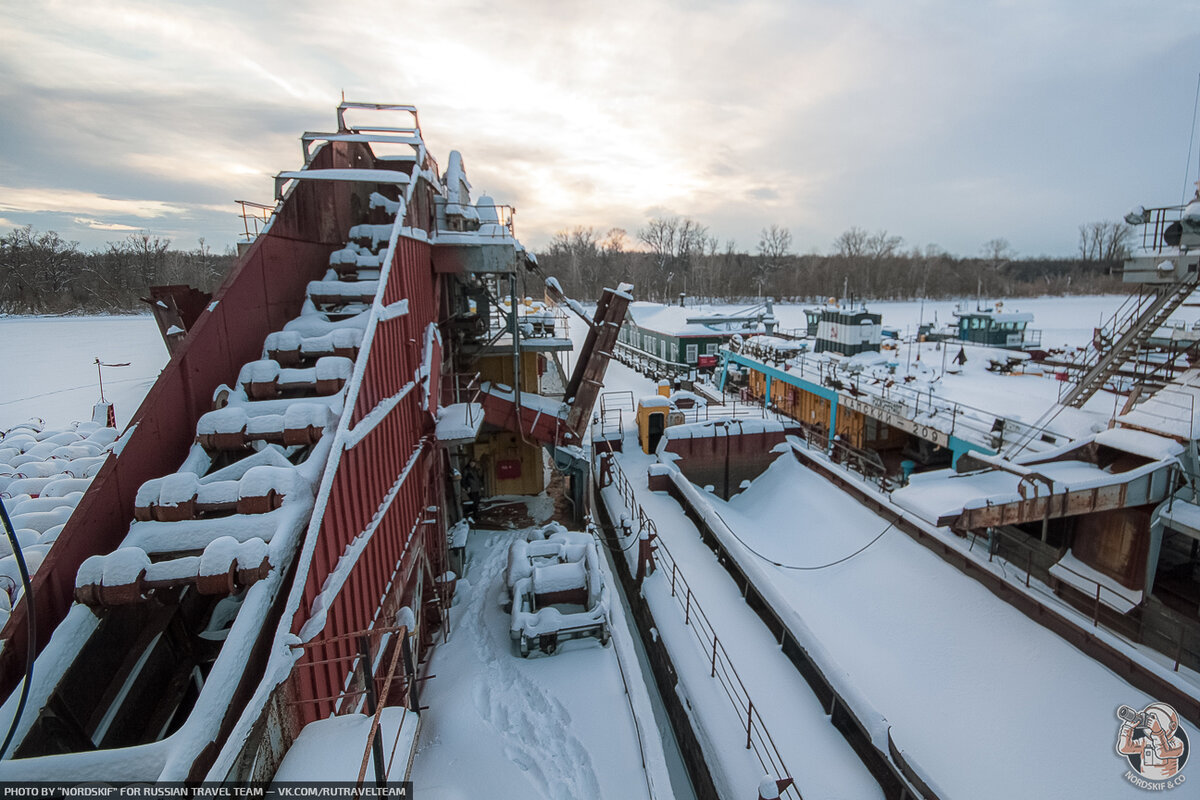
{"x": 674, "y": 352}
{"x": 710, "y": 349}
{"x": 692, "y": 352}
{"x": 662, "y": 349}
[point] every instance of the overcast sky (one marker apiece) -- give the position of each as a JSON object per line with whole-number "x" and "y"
{"x": 945, "y": 122}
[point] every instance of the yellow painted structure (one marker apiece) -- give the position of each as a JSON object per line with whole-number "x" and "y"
{"x": 654, "y": 416}
{"x": 499, "y": 369}
{"x": 509, "y": 465}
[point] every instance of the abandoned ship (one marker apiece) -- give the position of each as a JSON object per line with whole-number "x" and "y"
{"x": 324, "y": 547}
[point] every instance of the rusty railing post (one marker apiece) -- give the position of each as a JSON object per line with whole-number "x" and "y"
{"x": 749, "y": 720}
{"x": 364, "y": 652}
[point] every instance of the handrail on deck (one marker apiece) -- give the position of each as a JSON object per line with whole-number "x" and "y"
{"x": 346, "y": 105}
{"x": 758, "y": 737}
{"x": 256, "y": 214}
{"x": 1153, "y": 225}
{"x": 465, "y": 389}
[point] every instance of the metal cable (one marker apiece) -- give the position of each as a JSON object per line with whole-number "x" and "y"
{"x": 31, "y": 627}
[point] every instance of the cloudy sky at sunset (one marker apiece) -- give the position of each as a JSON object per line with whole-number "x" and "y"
{"x": 942, "y": 121}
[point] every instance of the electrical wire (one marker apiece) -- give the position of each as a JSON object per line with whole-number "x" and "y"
{"x": 625, "y": 549}
{"x": 801, "y": 568}
{"x": 612, "y": 541}
{"x": 31, "y": 626}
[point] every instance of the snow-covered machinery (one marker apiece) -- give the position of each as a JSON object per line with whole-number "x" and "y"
{"x": 557, "y": 589}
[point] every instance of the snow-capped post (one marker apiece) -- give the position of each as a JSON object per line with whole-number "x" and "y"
{"x": 770, "y": 789}
{"x": 645, "y": 554}
{"x": 103, "y": 411}
{"x": 606, "y": 477}
{"x": 104, "y": 414}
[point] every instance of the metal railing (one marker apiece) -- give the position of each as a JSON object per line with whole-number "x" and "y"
{"x": 922, "y": 407}
{"x": 866, "y": 463}
{"x": 1157, "y": 221}
{"x": 1105, "y": 337}
{"x": 766, "y": 352}
{"x": 650, "y": 364}
{"x": 617, "y": 401}
{"x": 375, "y": 691}
{"x": 254, "y": 215}
{"x": 463, "y": 388}
{"x": 791, "y": 333}
{"x": 548, "y": 322}
{"x": 1183, "y": 402}
{"x": 736, "y": 409}
{"x": 996, "y": 535}
{"x": 721, "y": 668}
{"x": 610, "y": 423}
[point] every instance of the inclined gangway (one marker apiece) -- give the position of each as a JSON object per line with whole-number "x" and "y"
{"x": 1166, "y": 267}
{"x": 1123, "y": 336}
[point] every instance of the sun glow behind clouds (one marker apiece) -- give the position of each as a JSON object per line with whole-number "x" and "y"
{"x": 67, "y": 200}
{"x": 810, "y": 114}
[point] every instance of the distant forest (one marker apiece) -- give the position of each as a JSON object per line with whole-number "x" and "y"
{"x": 43, "y": 273}
{"x": 676, "y": 254}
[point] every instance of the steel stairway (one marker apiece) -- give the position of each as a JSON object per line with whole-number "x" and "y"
{"x": 1128, "y": 331}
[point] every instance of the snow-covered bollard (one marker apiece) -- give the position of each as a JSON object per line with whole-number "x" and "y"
{"x": 646, "y": 549}
{"x": 770, "y": 789}
{"x": 606, "y": 476}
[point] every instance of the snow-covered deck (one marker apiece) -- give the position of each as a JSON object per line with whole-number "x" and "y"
{"x": 940, "y": 496}
{"x": 965, "y": 681}
{"x": 574, "y": 725}
{"x": 333, "y": 749}
{"x": 821, "y": 761}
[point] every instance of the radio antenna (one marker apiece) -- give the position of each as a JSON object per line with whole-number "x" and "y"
{"x": 1191, "y": 138}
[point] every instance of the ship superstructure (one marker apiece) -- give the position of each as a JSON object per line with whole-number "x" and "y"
{"x": 270, "y": 541}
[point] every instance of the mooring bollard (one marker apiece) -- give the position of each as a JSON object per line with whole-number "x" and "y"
{"x": 645, "y": 564}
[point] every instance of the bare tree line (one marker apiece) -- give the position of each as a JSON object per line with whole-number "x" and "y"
{"x": 673, "y": 255}
{"x": 40, "y": 272}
